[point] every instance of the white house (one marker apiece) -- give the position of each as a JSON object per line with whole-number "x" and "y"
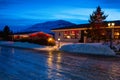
{"x": 76, "y": 33}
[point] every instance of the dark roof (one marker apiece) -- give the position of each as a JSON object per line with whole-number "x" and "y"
{"x": 87, "y": 25}
{"x": 73, "y": 27}
{"x": 117, "y": 22}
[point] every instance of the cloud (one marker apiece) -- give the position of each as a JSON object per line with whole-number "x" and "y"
{"x": 113, "y": 14}
{"x": 55, "y": 9}
{"x": 79, "y": 13}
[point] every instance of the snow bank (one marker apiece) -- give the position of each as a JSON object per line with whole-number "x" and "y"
{"x": 21, "y": 44}
{"x": 28, "y": 45}
{"x": 88, "y": 48}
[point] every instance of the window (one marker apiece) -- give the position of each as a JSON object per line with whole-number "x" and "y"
{"x": 116, "y": 34}
{"x": 73, "y": 34}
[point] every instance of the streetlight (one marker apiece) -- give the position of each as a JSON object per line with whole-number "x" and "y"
{"x": 111, "y": 25}
{"x": 58, "y": 42}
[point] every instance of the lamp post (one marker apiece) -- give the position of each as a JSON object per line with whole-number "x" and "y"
{"x": 58, "y": 42}
{"x": 111, "y": 25}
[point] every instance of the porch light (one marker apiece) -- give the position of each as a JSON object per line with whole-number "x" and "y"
{"x": 111, "y": 25}
{"x": 58, "y": 43}
{"x": 50, "y": 39}
{"x": 58, "y": 39}
{"x": 108, "y": 24}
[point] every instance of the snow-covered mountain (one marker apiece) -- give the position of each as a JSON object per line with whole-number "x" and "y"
{"x": 47, "y": 26}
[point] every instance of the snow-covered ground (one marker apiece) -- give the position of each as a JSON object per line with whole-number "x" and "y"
{"x": 25, "y": 45}
{"x": 20, "y": 44}
{"x": 88, "y": 48}
{"x": 83, "y": 48}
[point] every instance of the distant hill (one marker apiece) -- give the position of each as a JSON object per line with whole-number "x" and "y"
{"x": 47, "y": 26}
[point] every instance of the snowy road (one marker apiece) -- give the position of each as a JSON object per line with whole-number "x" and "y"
{"x": 22, "y": 64}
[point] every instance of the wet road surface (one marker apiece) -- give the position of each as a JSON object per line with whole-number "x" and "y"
{"x": 22, "y": 64}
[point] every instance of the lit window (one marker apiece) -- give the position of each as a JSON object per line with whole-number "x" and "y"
{"x": 73, "y": 34}
{"x": 68, "y": 37}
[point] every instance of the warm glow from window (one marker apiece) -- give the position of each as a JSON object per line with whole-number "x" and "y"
{"x": 72, "y": 34}
{"x": 68, "y": 37}
{"x": 103, "y": 33}
{"x": 24, "y": 36}
{"x": 117, "y": 33}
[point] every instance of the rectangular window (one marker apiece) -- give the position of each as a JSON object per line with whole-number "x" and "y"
{"x": 116, "y": 35}
{"x": 73, "y": 34}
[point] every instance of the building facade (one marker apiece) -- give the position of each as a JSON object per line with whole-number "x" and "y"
{"x": 30, "y": 35}
{"x": 77, "y": 33}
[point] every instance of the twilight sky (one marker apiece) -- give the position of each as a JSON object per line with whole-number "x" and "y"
{"x": 25, "y": 12}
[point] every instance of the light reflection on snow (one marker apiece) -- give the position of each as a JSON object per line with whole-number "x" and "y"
{"x": 54, "y": 64}
{"x": 50, "y": 59}
{"x": 30, "y": 64}
{"x": 58, "y": 57}
{"x": 50, "y": 64}
{"x": 58, "y": 66}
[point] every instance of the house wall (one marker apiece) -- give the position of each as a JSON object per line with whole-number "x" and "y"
{"x": 20, "y": 36}
{"x": 60, "y": 35}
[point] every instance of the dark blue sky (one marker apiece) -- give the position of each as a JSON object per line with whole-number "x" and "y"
{"x": 25, "y": 12}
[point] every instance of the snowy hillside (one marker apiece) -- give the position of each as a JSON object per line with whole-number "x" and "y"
{"x": 47, "y": 26}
